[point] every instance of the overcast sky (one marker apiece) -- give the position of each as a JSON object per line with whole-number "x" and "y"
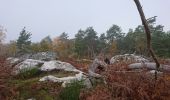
{"x": 52, "y": 17}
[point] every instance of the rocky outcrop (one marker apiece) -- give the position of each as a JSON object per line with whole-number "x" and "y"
{"x": 24, "y": 57}
{"x": 13, "y": 61}
{"x": 56, "y": 64}
{"x": 30, "y": 59}
{"x": 45, "y": 56}
{"x": 69, "y": 79}
{"x": 28, "y": 64}
{"x": 127, "y": 58}
{"x": 66, "y": 80}
{"x": 46, "y": 61}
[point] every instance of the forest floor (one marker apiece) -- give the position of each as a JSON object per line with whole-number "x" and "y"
{"x": 122, "y": 84}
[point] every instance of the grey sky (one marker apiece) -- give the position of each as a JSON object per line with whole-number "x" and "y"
{"x": 52, "y": 17}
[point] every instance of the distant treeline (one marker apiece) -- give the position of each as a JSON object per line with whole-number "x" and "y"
{"x": 87, "y": 43}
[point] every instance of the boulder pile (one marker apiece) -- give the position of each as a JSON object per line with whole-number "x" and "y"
{"x": 46, "y": 62}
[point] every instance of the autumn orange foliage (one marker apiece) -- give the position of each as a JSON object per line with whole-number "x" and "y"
{"x": 125, "y": 84}
{"x": 6, "y": 92}
{"x": 122, "y": 84}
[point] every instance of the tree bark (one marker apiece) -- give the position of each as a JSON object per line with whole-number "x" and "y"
{"x": 148, "y": 35}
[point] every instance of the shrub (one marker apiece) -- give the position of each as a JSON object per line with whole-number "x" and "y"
{"x": 72, "y": 91}
{"x": 28, "y": 73}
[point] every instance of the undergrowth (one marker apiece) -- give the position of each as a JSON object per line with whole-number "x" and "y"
{"x": 36, "y": 72}
{"x": 28, "y": 73}
{"x": 7, "y": 92}
{"x": 122, "y": 85}
{"x": 38, "y": 90}
{"x": 72, "y": 91}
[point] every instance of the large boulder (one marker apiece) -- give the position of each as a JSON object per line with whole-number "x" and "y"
{"x": 127, "y": 58}
{"x": 53, "y": 65}
{"x": 56, "y": 64}
{"x": 28, "y": 64}
{"x": 18, "y": 58}
{"x": 13, "y": 61}
{"x": 45, "y": 56}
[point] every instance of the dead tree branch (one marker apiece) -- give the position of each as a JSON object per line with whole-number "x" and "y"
{"x": 148, "y": 35}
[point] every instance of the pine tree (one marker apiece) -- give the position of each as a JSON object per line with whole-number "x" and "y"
{"x": 24, "y": 42}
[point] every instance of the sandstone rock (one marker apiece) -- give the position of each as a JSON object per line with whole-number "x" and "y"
{"x": 153, "y": 72}
{"x": 45, "y": 56}
{"x": 28, "y": 64}
{"x": 56, "y": 64}
{"x": 24, "y": 57}
{"x": 127, "y": 58}
{"x": 13, "y": 61}
{"x": 64, "y": 80}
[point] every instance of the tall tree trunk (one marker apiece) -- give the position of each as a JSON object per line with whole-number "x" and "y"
{"x": 148, "y": 35}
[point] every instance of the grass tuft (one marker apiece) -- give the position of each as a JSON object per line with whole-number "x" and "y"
{"x": 28, "y": 73}
{"x": 72, "y": 91}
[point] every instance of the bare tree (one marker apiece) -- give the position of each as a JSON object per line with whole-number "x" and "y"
{"x": 148, "y": 35}
{"x": 2, "y": 33}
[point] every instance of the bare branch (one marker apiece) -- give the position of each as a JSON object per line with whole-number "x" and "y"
{"x": 148, "y": 34}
